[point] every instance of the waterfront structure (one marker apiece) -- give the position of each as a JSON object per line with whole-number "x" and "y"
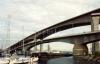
{"x": 80, "y": 48}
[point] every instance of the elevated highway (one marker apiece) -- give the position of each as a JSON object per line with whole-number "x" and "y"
{"x": 84, "y": 39}
{"x": 81, "y": 20}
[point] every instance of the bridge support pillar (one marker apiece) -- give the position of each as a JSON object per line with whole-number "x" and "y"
{"x": 80, "y": 50}
{"x": 95, "y": 27}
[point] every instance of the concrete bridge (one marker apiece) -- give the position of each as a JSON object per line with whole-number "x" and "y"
{"x": 83, "y": 39}
{"x": 91, "y": 18}
{"x": 80, "y": 41}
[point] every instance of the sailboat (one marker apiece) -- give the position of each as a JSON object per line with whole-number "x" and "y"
{"x": 22, "y": 58}
{"x": 3, "y": 59}
{"x": 19, "y": 59}
{"x": 33, "y": 60}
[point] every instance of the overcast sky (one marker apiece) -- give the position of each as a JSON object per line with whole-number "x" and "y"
{"x": 25, "y": 17}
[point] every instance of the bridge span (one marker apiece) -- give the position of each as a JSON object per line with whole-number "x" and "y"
{"x": 81, "y": 20}
{"x": 84, "y": 38}
{"x": 80, "y": 41}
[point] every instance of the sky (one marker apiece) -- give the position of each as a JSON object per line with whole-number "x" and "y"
{"x": 20, "y": 18}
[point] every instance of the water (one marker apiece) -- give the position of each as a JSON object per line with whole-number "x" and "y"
{"x": 62, "y": 60}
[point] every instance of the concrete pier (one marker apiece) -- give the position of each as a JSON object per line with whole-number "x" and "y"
{"x": 80, "y": 50}
{"x": 95, "y": 27}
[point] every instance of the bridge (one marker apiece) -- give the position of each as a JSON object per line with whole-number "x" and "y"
{"x": 90, "y": 18}
{"x": 83, "y": 39}
{"x": 79, "y": 41}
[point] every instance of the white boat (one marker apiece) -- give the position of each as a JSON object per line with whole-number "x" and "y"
{"x": 19, "y": 59}
{"x": 33, "y": 60}
{"x": 4, "y": 60}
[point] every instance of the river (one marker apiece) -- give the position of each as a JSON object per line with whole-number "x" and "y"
{"x": 62, "y": 60}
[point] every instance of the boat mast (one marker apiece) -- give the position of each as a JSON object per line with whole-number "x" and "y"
{"x": 8, "y": 31}
{"x": 23, "y": 51}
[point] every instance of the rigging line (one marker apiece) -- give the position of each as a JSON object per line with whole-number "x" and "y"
{"x": 8, "y": 31}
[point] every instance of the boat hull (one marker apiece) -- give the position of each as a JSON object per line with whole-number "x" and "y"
{"x": 21, "y": 63}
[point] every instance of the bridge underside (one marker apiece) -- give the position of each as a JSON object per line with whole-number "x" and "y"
{"x": 85, "y": 38}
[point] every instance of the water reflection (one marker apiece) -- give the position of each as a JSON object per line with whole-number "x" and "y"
{"x": 62, "y": 60}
